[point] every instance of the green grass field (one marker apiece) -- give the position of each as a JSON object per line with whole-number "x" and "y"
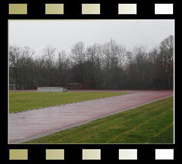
{"x": 19, "y": 101}
{"x": 151, "y": 123}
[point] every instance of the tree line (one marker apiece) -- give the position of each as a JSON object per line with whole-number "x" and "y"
{"x": 99, "y": 66}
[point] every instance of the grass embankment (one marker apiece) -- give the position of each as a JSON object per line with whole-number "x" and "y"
{"x": 151, "y": 123}
{"x": 19, "y": 101}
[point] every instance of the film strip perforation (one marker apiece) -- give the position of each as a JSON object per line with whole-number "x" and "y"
{"x": 94, "y": 154}
{"x": 90, "y": 9}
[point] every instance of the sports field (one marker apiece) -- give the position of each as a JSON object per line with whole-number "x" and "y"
{"x": 151, "y": 123}
{"x": 20, "y": 101}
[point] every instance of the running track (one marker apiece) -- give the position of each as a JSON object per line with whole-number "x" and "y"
{"x": 28, "y": 125}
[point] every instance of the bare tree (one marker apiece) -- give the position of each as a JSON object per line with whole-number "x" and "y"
{"x": 166, "y": 50}
{"x": 166, "y": 58}
{"x": 79, "y": 57}
{"x": 14, "y": 62}
{"x": 113, "y": 55}
{"x": 140, "y": 56}
{"x": 49, "y": 57}
{"x": 93, "y": 66}
{"x": 21, "y": 66}
{"x": 26, "y": 68}
{"x": 63, "y": 64}
{"x": 105, "y": 66}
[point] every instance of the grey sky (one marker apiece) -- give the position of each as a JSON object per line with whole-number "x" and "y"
{"x": 63, "y": 34}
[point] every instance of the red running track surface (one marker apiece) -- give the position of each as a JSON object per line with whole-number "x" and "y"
{"x": 31, "y": 124}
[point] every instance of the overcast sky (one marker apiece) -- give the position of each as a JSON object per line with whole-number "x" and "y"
{"x": 63, "y": 34}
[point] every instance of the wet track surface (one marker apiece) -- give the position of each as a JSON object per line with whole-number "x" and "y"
{"x": 31, "y": 124}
